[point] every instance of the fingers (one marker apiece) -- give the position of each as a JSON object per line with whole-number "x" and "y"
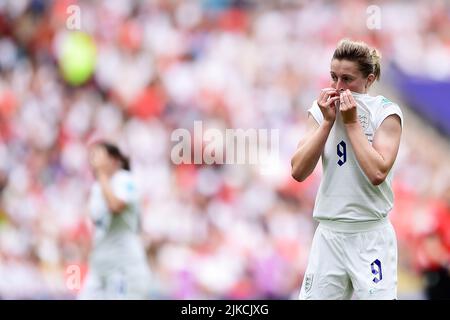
{"x": 351, "y": 98}
{"x": 92, "y": 157}
{"x": 346, "y": 100}
{"x": 327, "y": 92}
{"x": 325, "y": 96}
{"x": 331, "y": 101}
{"x": 97, "y": 158}
{"x": 321, "y": 95}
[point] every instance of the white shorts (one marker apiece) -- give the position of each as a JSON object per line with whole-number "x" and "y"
{"x": 116, "y": 285}
{"x": 357, "y": 259}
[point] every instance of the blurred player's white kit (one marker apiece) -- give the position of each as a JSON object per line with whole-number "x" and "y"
{"x": 353, "y": 216}
{"x": 118, "y": 266}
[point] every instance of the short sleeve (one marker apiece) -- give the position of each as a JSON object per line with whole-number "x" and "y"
{"x": 124, "y": 187}
{"x": 316, "y": 113}
{"x": 387, "y": 110}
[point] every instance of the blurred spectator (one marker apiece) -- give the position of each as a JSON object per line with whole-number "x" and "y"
{"x": 433, "y": 250}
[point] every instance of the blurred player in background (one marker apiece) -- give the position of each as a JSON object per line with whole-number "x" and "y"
{"x": 354, "y": 250}
{"x": 118, "y": 266}
{"x": 433, "y": 250}
{"x": 3, "y": 184}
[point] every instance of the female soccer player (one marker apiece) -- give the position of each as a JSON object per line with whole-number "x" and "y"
{"x": 354, "y": 250}
{"x": 118, "y": 266}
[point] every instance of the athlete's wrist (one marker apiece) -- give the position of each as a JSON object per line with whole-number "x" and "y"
{"x": 102, "y": 176}
{"x": 328, "y": 124}
{"x": 350, "y": 123}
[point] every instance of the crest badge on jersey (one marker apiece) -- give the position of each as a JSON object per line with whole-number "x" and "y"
{"x": 308, "y": 282}
{"x": 364, "y": 121}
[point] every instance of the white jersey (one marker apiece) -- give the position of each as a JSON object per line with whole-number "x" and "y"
{"x": 345, "y": 193}
{"x": 117, "y": 248}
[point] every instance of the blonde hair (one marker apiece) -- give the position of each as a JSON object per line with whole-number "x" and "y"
{"x": 367, "y": 58}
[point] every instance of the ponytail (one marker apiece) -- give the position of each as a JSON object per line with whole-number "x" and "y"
{"x": 125, "y": 163}
{"x": 376, "y": 57}
{"x": 114, "y": 152}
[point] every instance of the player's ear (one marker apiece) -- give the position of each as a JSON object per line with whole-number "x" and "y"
{"x": 370, "y": 80}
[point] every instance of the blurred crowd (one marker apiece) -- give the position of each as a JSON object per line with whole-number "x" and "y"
{"x": 211, "y": 231}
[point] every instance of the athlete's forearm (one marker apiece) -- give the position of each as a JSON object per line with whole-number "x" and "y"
{"x": 369, "y": 159}
{"x": 307, "y": 155}
{"x": 114, "y": 204}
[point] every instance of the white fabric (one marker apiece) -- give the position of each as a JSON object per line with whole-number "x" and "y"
{"x": 359, "y": 264}
{"x": 345, "y": 193}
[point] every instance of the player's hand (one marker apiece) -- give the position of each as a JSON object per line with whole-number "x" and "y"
{"x": 98, "y": 160}
{"x": 348, "y": 107}
{"x": 326, "y": 101}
